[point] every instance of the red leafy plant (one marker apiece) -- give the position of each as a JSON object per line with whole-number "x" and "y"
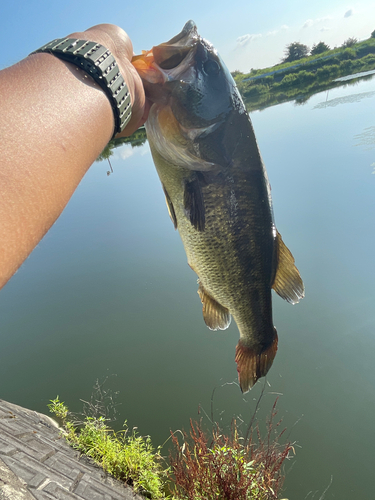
{"x": 229, "y": 467}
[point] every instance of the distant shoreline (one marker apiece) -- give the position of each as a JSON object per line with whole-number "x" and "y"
{"x": 300, "y": 79}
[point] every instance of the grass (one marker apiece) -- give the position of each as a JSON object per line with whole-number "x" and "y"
{"x": 358, "y": 50}
{"x": 201, "y": 466}
{"x": 125, "y": 455}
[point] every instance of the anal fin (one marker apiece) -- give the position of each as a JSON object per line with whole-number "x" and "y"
{"x": 288, "y": 282}
{"x": 251, "y": 364}
{"x": 216, "y": 316}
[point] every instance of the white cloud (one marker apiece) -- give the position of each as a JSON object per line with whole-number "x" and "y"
{"x": 308, "y": 23}
{"x": 126, "y": 152}
{"x": 245, "y": 39}
{"x": 284, "y": 27}
{"x": 314, "y": 22}
{"x": 324, "y": 19}
{"x": 329, "y": 26}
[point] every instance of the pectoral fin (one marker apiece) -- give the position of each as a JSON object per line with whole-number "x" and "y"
{"x": 215, "y": 315}
{"x": 194, "y": 203}
{"x": 172, "y": 213}
{"x": 288, "y": 282}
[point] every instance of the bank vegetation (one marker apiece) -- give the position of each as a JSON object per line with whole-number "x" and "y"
{"x": 201, "y": 464}
{"x": 301, "y": 78}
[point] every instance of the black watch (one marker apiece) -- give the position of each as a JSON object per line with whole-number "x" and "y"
{"x": 99, "y": 63}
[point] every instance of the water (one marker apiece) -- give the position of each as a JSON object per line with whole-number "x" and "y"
{"x": 108, "y": 293}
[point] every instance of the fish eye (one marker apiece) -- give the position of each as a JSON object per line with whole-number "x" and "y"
{"x": 211, "y": 67}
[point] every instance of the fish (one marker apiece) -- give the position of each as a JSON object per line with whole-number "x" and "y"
{"x": 218, "y": 194}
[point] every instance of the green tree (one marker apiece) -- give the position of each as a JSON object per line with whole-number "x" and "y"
{"x": 319, "y": 48}
{"x": 295, "y": 51}
{"x": 373, "y": 34}
{"x": 349, "y": 42}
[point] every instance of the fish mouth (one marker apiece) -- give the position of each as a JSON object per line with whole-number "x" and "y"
{"x": 170, "y": 60}
{"x": 177, "y": 76}
{"x": 188, "y": 31}
{"x": 171, "y": 54}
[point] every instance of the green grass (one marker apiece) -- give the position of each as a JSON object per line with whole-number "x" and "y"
{"x": 125, "y": 455}
{"x": 359, "y": 50}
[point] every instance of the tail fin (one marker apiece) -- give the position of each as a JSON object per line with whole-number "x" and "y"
{"x": 252, "y": 365}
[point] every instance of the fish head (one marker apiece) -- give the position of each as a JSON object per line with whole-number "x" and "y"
{"x": 192, "y": 92}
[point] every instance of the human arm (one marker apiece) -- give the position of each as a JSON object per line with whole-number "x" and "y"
{"x": 54, "y": 122}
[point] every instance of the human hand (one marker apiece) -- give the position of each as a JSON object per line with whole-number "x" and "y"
{"x": 119, "y": 43}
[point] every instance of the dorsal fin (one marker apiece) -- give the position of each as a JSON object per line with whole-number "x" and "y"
{"x": 172, "y": 213}
{"x": 194, "y": 203}
{"x": 216, "y": 316}
{"x": 288, "y": 282}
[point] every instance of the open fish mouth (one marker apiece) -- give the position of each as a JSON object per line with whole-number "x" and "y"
{"x": 171, "y": 73}
{"x": 187, "y": 73}
{"x": 170, "y": 59}
{"x": 171, "y": 54}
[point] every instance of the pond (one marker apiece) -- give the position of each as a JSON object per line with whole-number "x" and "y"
{"x": 108, "y": 293}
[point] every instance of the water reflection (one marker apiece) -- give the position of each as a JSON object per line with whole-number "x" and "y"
{"x": 136, "y": 140}
{"x": 344, "y": 100}
{"x": 356, "y": 75}
{"x": 366, "y": 139}
{"x": 303, "y": 95}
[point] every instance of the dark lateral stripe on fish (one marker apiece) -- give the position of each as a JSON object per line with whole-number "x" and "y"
{"x": 194, "y": 204}
{"x": 216, "y": 316}
{"x": 172, "y": 213}
{"x": 252, "y": 365}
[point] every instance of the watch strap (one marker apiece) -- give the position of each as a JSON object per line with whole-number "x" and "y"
{"x": 99, "y": 63}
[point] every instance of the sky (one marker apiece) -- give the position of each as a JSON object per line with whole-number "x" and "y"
{"x": 247, "y": 33}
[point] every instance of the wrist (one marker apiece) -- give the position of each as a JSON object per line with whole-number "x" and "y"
{"x": 118, "y": 42}
{"x": 99, "y": 63}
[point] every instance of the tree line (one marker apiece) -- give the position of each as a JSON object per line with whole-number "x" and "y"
{"x": 295, "y": 50}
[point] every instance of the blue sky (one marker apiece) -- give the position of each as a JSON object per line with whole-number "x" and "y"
{"x": 247, "y": 34}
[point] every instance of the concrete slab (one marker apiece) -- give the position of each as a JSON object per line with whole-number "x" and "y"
{"x": 37, "y": 463}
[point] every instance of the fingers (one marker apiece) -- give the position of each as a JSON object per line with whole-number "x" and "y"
{"x": 120, "y": 39}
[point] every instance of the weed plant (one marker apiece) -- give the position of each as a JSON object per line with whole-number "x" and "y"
{"x": 204, "y": 466}
{"x": 229, "y": 467}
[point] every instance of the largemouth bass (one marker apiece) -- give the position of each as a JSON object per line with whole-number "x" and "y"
{"x": 218, "y": 195}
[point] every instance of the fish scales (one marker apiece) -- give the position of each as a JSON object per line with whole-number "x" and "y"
{"x": 218, "y": 195}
